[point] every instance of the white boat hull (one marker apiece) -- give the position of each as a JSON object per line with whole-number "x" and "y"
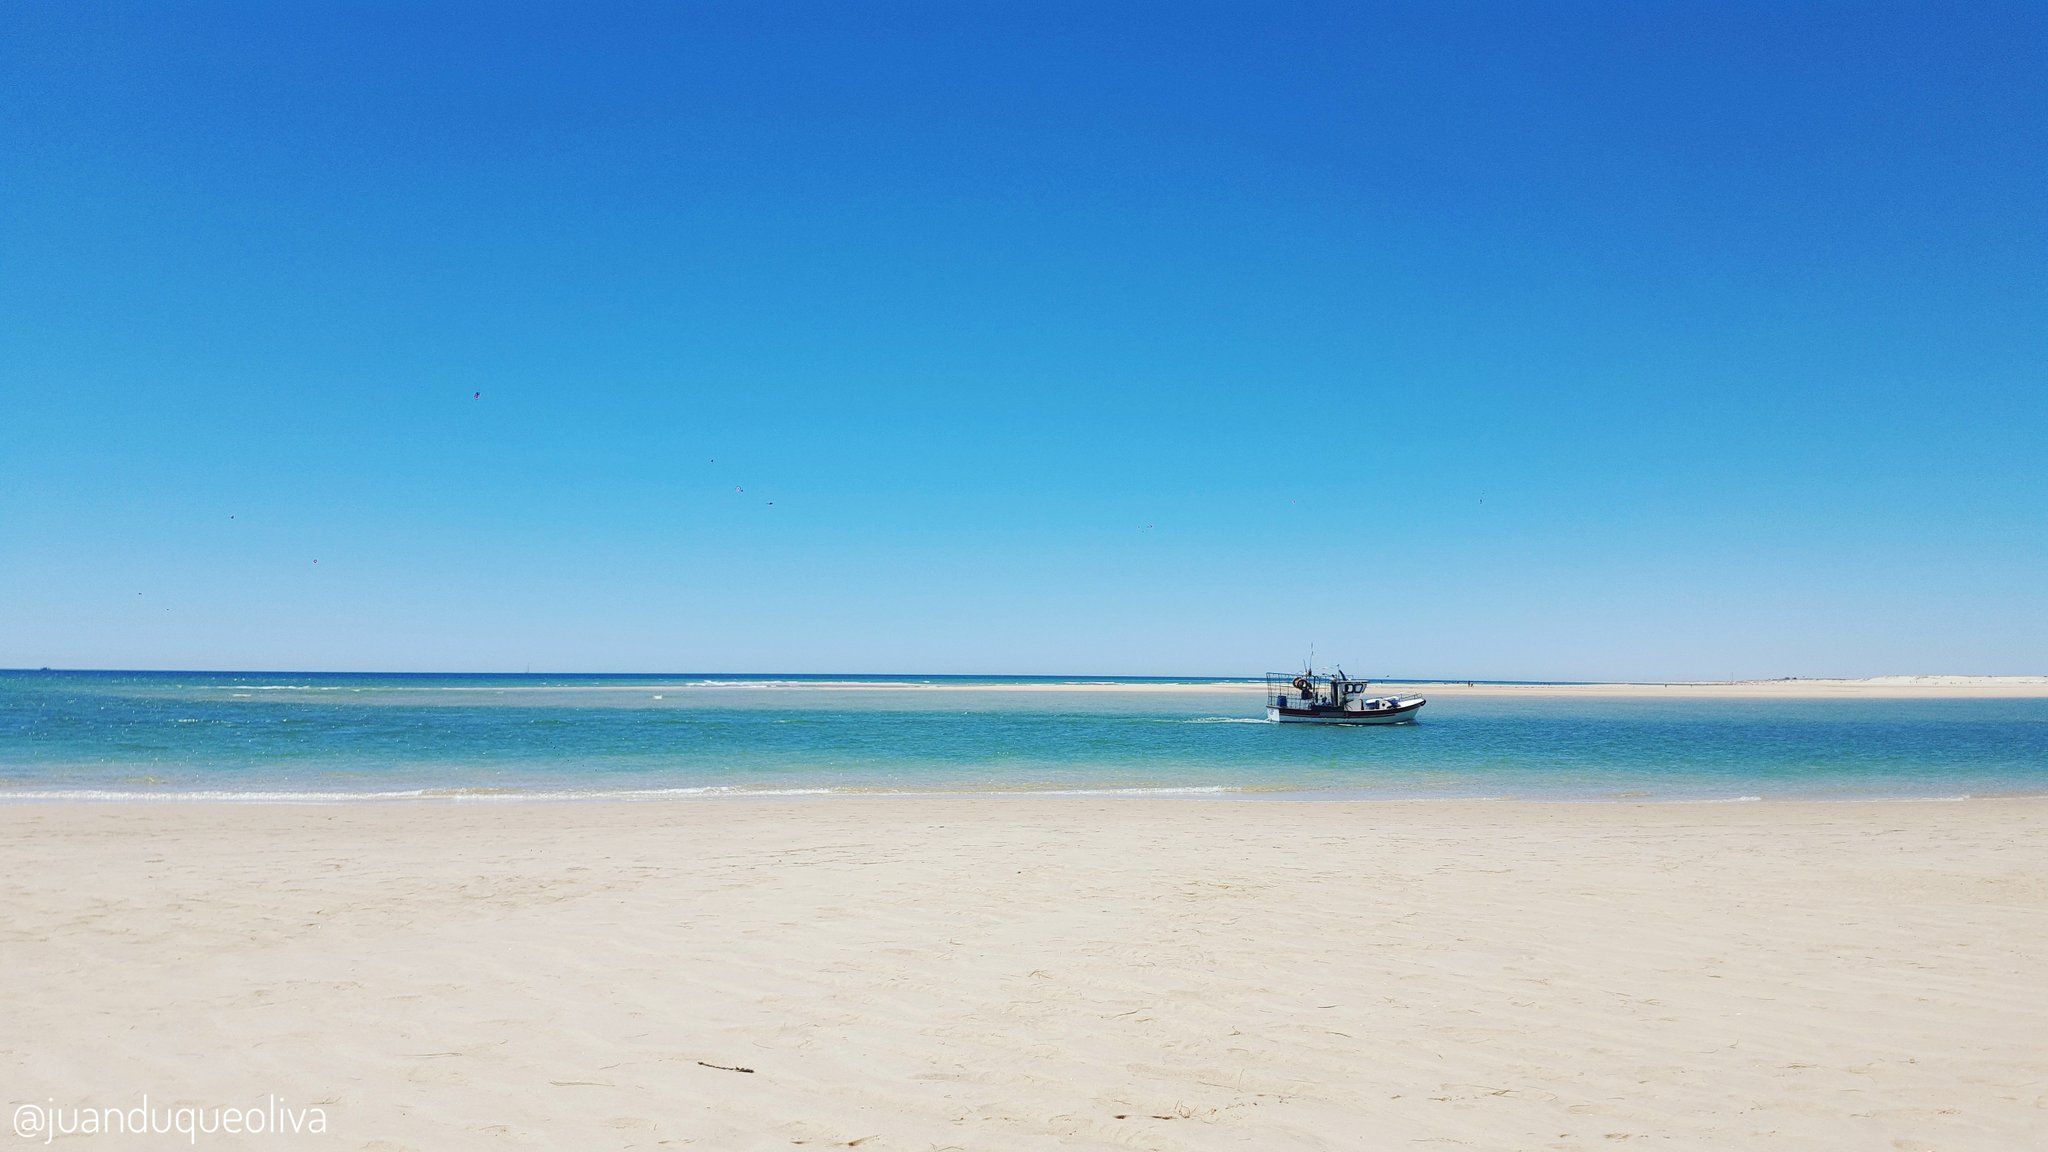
{"x": 1403, "y": 712}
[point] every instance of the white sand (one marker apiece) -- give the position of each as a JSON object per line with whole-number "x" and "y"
{"x": 1038, "y": 974}
{"x": 1872, "y": 687}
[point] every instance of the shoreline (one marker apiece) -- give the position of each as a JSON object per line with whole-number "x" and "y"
{"x": 1203, "y": 794}
{"x": 1932, "y": 687}
{"x": 1874, "y": 688}
{"x": 905, "y": 803}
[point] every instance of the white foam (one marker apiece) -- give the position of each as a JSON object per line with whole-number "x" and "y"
{"x": 1209, "y": 790}
{"x": 733, "y": 791}
{"x": 457, "y": 795}
{"x": 213, "y": 796}
{"x": 776, "y": 685}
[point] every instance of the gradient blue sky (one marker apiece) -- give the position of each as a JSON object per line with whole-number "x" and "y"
{"x": 1460, "y": 340}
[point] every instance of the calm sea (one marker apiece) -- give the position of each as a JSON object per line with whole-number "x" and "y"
{"x": 348, "y": 736}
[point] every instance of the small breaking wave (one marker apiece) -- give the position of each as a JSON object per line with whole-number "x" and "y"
{"x": 152, "y": 796}
{"x": 515, "y": 795}
{"x": 1206, "y": 790}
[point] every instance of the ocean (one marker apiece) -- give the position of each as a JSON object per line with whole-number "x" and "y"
{"x": 335, "y": 737}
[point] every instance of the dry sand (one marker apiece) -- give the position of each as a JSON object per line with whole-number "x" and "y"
{"x": 1035, "y": 974}
{"x": 1867, "y": 688}
{"x": 1870, "y": 688}
{"x": 1791, "y": 688}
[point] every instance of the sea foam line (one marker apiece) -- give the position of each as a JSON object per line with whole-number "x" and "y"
{"x": 510, "y": 795}
{"x": 740, "y": 792}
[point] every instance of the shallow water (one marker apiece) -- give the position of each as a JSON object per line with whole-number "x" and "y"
{"x": 306, "y": 735}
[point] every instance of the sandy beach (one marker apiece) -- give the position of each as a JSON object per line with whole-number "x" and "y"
{"x": 1867, "y": 688}
{"x": 1023, "y": 973}
{"x": 1790, "y": 688}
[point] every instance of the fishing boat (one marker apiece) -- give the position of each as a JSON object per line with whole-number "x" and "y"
{"x": 1307, "y": 698}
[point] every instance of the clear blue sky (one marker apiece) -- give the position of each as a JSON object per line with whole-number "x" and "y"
{"x": 1468, "y": 340}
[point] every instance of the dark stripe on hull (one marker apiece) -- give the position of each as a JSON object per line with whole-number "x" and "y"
{"x": 1335, "y": 716}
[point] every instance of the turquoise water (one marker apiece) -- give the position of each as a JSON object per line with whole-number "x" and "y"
{"x": 109, "y": 734}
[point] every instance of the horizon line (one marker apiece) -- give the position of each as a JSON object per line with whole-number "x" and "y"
{"x": 856, "y": 676}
